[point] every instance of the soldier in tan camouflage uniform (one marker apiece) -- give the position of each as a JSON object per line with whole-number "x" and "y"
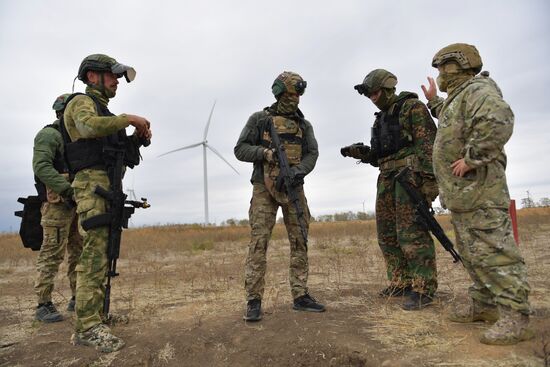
{"x": 255, "y": 145}
{"x": 89, "y": 124}
{"x": 59, "y": 221}
{"x": 402, "y": 138}
{"x": 469, "y": 164}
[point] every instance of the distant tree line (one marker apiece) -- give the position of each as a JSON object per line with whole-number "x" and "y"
{"x": 528, "y": 202}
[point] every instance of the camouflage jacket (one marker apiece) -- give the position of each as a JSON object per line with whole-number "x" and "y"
{"x": 249, "y": 146}
{"x": 474, "y": 124}
{"x": 418, "y": 127}
{"x": 48, "y": 145}
{"x": 82, "y": 120}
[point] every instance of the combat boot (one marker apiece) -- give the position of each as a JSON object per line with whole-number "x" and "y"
{"x": 511, "y": 328}
{"x": 475, "y": 311}
{"x": 393, "y": 291}
{"x": 307, "y": 303}
{"x": 99, "y": 337}
{"x": 71, "y": 305}
{"x": 253, "y": 310}
{"x": 417, "y": 301}
{"x": 46, "y": 312}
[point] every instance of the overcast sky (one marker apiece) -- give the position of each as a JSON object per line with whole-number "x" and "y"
{"x": 189, "y": 53}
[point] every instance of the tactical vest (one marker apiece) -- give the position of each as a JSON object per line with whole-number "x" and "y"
{"x": 292, "y": 136}
{"x": 386, "y": 135}
{"x": 88, "y": 153}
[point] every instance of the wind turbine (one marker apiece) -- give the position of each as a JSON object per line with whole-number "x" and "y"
{"x": 205, "y": 145}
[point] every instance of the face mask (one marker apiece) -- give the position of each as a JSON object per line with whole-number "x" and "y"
{"x": 385, "y": 100}
{"x": 442, "y": 82}
{"x": 288, "y": 103}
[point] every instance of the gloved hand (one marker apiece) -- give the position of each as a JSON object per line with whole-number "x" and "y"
{"x": 269, "y": 155}
{"x": 68, "y": 198}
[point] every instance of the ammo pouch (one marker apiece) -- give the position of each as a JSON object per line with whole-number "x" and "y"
{"x": 386, "y": 134}
{"x": 30, "y": 230}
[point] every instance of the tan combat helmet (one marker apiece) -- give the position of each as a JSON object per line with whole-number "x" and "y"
{"x": 465, "y": 55}
{"x": 376, "y": 80}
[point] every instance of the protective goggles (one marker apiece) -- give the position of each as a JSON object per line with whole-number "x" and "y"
{"x": 300, "y": 87}
{"x": 120, "y": 70}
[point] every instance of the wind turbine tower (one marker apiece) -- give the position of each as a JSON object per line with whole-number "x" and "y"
{"x": 205, "y": 145}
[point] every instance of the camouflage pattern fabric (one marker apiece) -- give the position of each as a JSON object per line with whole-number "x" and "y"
{"x": 406, "y": 245}
{"x": 262, "y": 216}
{"x": 92, "y": 267}
{"x": 82, "y": 120}
{"x": 474, "y": 124}
{"x": 60, "y": 233}
{"x": 486, "y": 244}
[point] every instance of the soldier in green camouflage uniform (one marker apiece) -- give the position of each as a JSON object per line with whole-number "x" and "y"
{"x": 59, "y": 221}
{"x": 86, "y": 119}
{"x": 254, "y": 145}
{"x": 470, "y": 163}
{"x": 402, "y": 137}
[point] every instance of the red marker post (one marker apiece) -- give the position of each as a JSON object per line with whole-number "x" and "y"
{"x": 513, "y": 215}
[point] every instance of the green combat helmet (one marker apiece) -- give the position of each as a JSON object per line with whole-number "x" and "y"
{"x": 466, "y": 56}
{"x": 60, "y": 102}
{"x": 289, "y": 82}
{"x": 100, "y": 62}
{"x": 376, "y": 80}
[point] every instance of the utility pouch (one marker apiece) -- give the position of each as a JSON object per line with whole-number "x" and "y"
{"x": 30, "y": 230}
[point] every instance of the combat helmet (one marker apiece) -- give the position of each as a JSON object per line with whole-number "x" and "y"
{"x": 60, "y": 102}
{"x": 376, "y": 80}
{"x": 290, "y": 82}
{"x": 101, "y": 62}
{"x": 465, "y": 55}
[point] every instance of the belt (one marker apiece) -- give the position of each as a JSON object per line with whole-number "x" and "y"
{"x": 392, "y": 165}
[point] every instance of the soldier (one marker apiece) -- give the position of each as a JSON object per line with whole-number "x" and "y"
{"x": 90, "y": 126}
{"x": 469, "y": 164}
{"x": 402, "y": 137}
{"x": 59, "y": 220}
{"x": 255, "y": 145}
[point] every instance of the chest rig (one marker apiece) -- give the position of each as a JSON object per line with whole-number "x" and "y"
{"x": 387, "y": 136}
{"x": 291, "y": 135}
{"x": 89, "y": 153}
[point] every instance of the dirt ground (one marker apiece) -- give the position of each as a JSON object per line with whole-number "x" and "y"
{"x": 183, "y": 291}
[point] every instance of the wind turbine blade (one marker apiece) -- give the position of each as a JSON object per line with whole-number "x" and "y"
{"x": 177, "y": 150}
{"x": 208, "y": 122}
{"x": 222, "y": 158}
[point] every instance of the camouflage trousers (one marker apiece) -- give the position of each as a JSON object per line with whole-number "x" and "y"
{"x": 59, "y": 225}
{"x": 486, "y": 244}
{"x": 262, "y": 216}
{"x": 407, "y": 246}
{"x": 92, "y": 266}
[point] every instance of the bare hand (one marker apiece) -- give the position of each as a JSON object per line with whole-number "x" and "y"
{"x": 142, "y": 126}
{"x": 460, "y": 168}
{"x": 431, "y": 92}
{"x": 268, "y": 155}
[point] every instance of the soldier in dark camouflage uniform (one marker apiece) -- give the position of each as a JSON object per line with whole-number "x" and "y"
{"x": 402, "y": 137}
{"x": 88, "y": 123}
{"x": 469, "y": 163}
{"x": 254, "y": 145}
{"x": 59, "y": 220}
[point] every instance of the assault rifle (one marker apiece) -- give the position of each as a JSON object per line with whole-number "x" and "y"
{"x": 287, "y": 180}
{"x": 117, "y": 216}
{"x": 426, "y": 215}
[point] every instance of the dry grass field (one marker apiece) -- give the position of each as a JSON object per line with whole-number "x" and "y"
{"x": 182, "y": 288}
